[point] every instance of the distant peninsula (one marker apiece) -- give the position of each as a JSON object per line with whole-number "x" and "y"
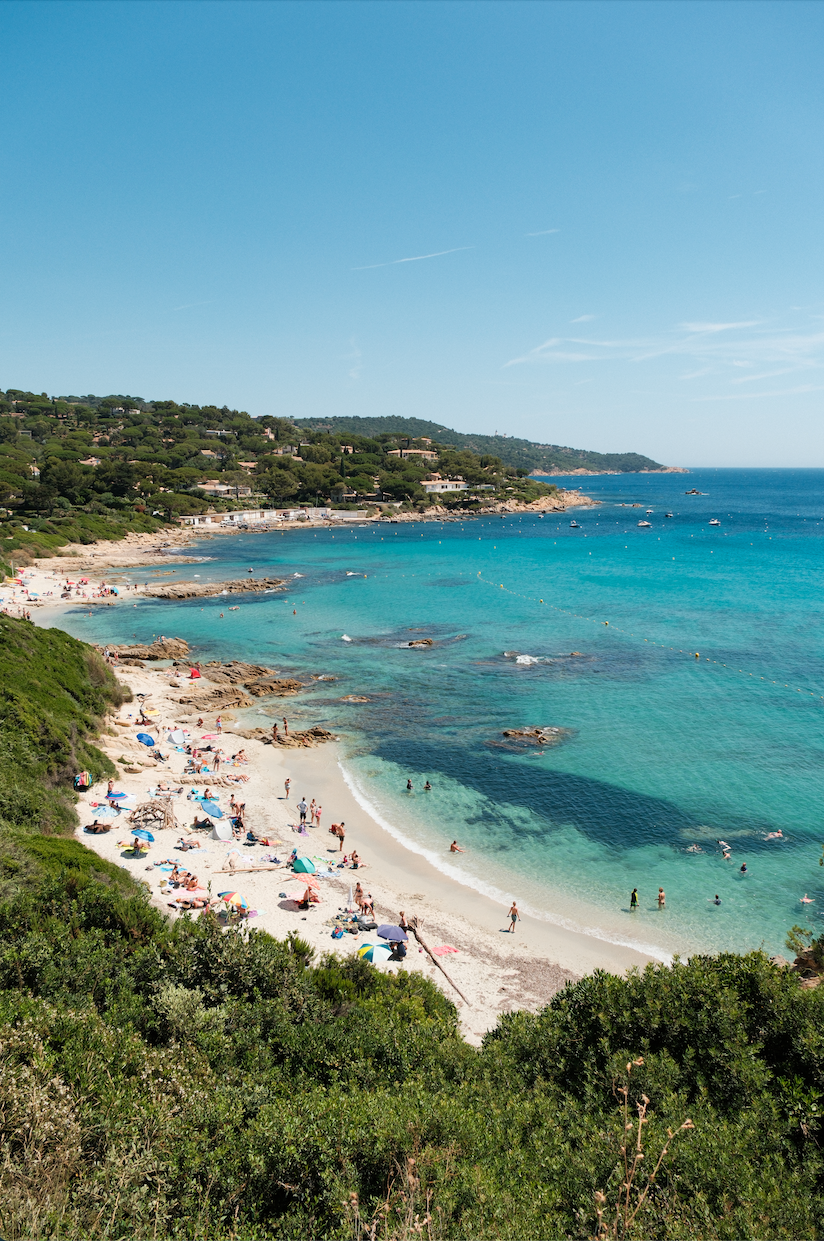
{"x": 520, "y": 454}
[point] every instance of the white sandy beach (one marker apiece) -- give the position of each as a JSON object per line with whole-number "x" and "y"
{"x": 496, "y": 971}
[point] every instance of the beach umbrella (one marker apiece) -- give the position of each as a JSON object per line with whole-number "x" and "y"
{"x": 212, "y": 809}
{"x": 116, "y": 796}
{"x": 234, "y": 898}
{"x": 140, "y": 833}
{"x": 145, "y": 739}
{"x": 304, "y": 866}
{"x": 374, "y": 952}
{"x": 392, "y": 932}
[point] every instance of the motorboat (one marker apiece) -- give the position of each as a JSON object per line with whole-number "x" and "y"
{"x": 574, "y": 525}
{"x": 714, "y": 521}
{"x": 669, "y": 514}
{"x": 649, "y": 511}
{"x": 648, "y": 524}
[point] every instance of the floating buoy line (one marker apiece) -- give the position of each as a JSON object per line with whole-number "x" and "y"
{"x": 693, "y": 655}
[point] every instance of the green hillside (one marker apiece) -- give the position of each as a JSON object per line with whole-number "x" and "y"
{"x": 518, "y": 453}
{"x": 80, "y": 468}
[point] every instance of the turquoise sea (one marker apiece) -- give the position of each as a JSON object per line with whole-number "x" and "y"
{"x": 663, "y": 751}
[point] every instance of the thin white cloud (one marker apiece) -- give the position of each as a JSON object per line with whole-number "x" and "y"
{"x": 189, "y": 305}
{"x": 718, "y": 327}
{"x": 801, "y": 390}
{"x": 544, "y": 232}
{"x": 417, "y": 258}
{"x": 763, "y": 350}
{"x": 583, "y": 319}
{"x": 355, "y": 358}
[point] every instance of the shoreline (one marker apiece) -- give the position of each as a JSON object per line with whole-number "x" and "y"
{"x": 495, "y": 970}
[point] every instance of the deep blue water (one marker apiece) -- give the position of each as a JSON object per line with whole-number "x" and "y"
{"x": 663, "y": 751}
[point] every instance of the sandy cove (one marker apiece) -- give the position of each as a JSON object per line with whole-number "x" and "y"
{"x": 496, "y": 971}
{"x": 111, "y": 562}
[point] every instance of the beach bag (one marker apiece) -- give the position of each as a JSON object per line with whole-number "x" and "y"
{"x": 83, "y": 780}
{"x": 337, "y": 933}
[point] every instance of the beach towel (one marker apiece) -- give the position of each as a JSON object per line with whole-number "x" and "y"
{"x": 444, "y": 950}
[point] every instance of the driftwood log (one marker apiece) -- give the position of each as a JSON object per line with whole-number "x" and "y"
{"x": 412, "y": 925}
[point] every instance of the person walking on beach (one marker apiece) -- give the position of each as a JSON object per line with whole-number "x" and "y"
{"x": 339, "y": 830}
{"x": 274, "y": 732}
{"x": 302, "y": 807}
{"x": 287, "y": 785}
{"x": 633, "y": 900}
{"x": 219, "y": 724}
{"x": 514, "y": 917}
{"x": 662, "y": 899}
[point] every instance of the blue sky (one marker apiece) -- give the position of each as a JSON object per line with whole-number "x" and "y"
{"x": 589, "y": 224}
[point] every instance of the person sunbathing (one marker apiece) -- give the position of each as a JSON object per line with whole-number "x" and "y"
{"x": 204, "y": 822}
{"x": 97, "y": 828}
{"x": 190, "y": 902}
{"x": 191, "y": 883}
{"x": 188, "y": 844}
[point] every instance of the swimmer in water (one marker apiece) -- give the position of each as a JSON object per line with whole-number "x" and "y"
{"x": 807, "y": 900}
{"x": 694, "y": 849}
{"x": 717, "y": 900}
{"x": 723, "y": 844}
{"x": 779, "y": 835}
{"x": 744, "y": 869}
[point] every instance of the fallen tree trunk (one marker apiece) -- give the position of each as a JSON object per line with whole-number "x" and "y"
{"x": 412, "y": 924}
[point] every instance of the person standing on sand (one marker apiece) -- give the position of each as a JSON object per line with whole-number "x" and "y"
{"x": 287, "y": 784}
{"x": 274, "y": 732}
{"x": 633, "y": 900}
{"x": 662, "y": 899}
{"x": 285, "y": 727}
{"x": 219, "y": 724}
{"x": 514, "y": 917}
{"x": 302, "y": 808}
{"x": 339, "y": 830}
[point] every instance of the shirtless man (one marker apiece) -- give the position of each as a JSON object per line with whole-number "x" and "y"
{"x": 339, "y": 830}
{"x": 456, "y": 848}
{"x": 514, "y": 917}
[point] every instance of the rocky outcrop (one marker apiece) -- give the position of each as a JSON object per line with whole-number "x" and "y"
{"x": 260, "y": 682}
{"x": 216, "y": 699}
{"x": 538, "y": 736}
{"x": 211, "y": 590}
{"x": 308, "y": 737}
{"x": 418, "y": 642}
{"x": 163, "y": 648}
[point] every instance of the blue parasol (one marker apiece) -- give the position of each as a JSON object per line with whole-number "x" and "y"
{"x": 392, "y": 932}
{"x": 145, "y": 739}
{"x": 212, "y": 809}
{"x": 140, "y": 833}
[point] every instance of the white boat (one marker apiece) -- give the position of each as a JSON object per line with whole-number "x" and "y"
{"x": 714, "y": 521}
{"x": 574, "y": 525}
{"x": 668, "y": 514}
{"x": 649, "y": 510}
{"x": 648, "y": 524}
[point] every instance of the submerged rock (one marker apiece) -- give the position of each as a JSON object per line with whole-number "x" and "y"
{"x": 548, "y": 735}
{"x": 421, "y": 642}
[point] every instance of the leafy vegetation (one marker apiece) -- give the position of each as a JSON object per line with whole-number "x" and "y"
{"x": 513, "y": 452}
{"x": 77, "y": 469}
{"x": 188, "y": 1081}
{"x": 54, "y": 691}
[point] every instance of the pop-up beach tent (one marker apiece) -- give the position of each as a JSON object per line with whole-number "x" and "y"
{"x": 221, "y": 831}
